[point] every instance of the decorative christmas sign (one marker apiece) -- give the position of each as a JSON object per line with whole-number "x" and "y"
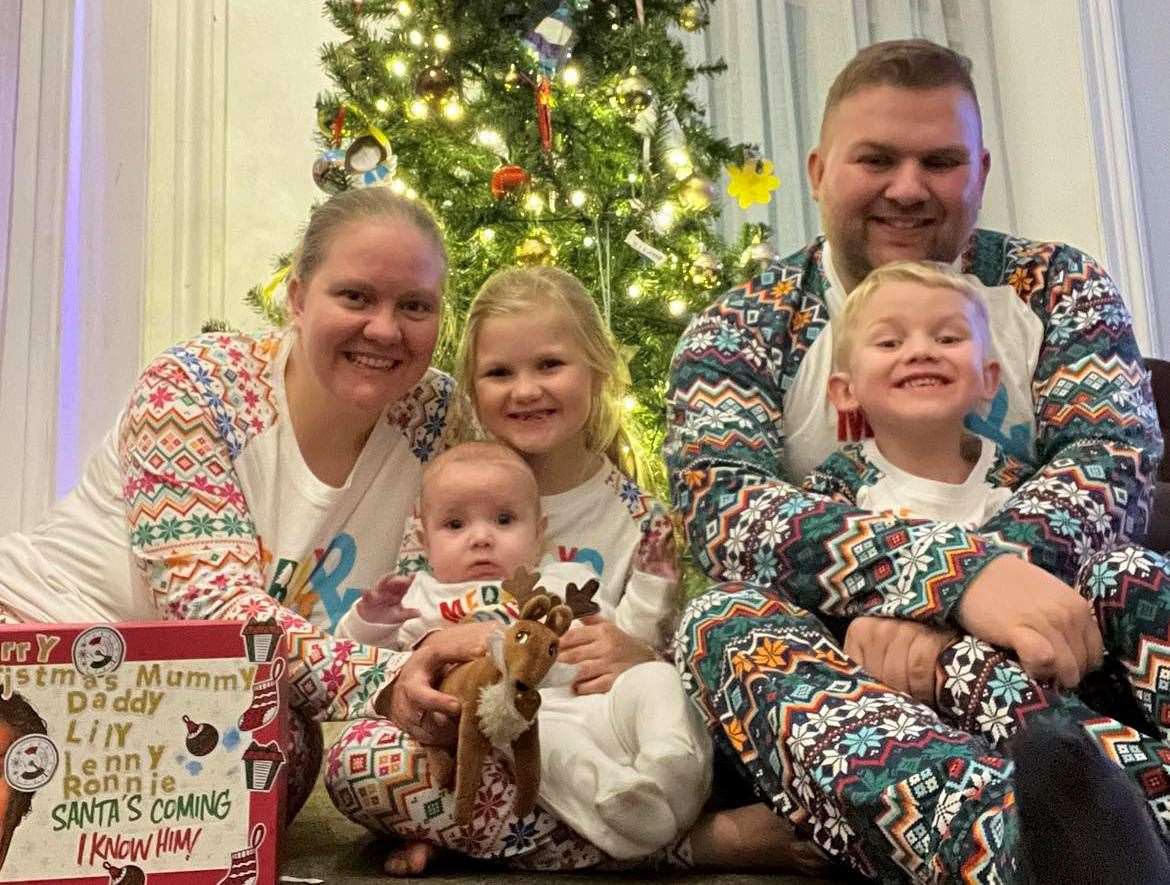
{"x": 141, "y": 754}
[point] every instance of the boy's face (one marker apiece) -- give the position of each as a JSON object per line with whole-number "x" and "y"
{"x": 918, "y": 360}
{"x": 480, "y": 521}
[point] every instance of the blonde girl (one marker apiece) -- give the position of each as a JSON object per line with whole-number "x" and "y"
{"x": 543, "y": 375}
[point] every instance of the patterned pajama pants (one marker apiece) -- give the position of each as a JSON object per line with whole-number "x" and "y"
{"x": 899, "y": 791}
{"x": 377, "y": 776}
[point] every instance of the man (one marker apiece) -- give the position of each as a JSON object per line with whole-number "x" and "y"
{"x": 899, "y": 174}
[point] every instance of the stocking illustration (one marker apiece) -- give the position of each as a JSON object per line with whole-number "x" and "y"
{"x": 245, "y": 867}
{"x": 265, "y": 696}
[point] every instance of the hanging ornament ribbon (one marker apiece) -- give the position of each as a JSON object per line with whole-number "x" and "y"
{"x": 544, "y": 112}
{"x": 338, "y": 123}
{"x": 641, "y": 12}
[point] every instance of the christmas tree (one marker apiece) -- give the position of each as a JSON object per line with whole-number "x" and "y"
{"x": 546, "y": 133}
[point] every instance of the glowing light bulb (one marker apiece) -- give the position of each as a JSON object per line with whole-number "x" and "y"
{"x": 577, "y": 199}
{"x": 411, "y": 193}
{"x": 398, "y": 186}
{"x": 453, "y": 110}
{"x": 418, "y": 109}
{"x": 490, "y": 139}
{"x": 487, "y": 234}
{"x": 571, "y": 75}
{"x": 588, "y": 242}
{"x": 663, "y": 217}
{"x": 415, "y": 37}
{"x": 534, "y": 203}
{"x": 676, "y": 157}
{"x": 404, "y": 8}
{"x": 397, "y": 67}
{"x": 442, "y": 41}
{"x": 677, "y": 307}
{"x": 629, "y": 403}
{"x": 382, "y": 105}
{"x": 634, "y": 290}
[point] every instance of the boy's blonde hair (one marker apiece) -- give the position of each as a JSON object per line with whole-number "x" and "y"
{"x": 484, "y": 453}
{"x": 523, "y": 290}
{"x": 926, "y": 273}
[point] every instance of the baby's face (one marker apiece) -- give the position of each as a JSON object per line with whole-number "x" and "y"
{"x": 480, "y": 521}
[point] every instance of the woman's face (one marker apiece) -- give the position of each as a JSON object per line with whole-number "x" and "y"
{"x": 368, "y": 317}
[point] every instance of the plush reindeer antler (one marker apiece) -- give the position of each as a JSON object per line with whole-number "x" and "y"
{"x": 580, "y": 600}
{"x": 522, "y": 585}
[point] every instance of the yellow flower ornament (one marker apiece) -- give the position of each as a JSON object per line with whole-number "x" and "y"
{"x": 751, "y": 183}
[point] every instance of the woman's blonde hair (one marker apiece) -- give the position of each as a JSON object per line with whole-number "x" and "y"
{"x": 522, "y": 290}
{"x": 932, "y": 274}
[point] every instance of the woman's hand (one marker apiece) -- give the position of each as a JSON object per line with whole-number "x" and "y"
{"x": 602, "y": 651}
{"x": 413, "y": 703}
{"x": 382, "y": 603}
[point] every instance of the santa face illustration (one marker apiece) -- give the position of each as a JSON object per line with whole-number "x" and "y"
{"x": 98, "y": 650}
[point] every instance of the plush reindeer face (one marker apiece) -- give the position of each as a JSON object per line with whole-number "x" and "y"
{"x": 531, "y": 645}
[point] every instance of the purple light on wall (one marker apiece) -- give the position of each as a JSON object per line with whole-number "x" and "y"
{"x": 69, "y": 393}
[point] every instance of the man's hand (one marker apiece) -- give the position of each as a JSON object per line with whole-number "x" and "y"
{"x": 899, "y": 654}
{"x": 603, "y": 652}
{"x": 1050, "y": 627}
{"x": 382, "y": 603}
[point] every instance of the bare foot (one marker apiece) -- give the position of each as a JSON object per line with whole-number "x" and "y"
{"x": 409, "y": 858}
{"x": 753, "y": 838}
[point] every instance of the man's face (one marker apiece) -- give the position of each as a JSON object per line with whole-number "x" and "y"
{"x": 899, "y": 175}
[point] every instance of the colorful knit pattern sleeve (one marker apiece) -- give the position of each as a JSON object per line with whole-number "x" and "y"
{"x": 1098, "y": 439}
{"x": 744, "y": 521}
{"x": 191, "y": 535}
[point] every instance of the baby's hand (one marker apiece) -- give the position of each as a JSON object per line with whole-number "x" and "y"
{"x": 382, "y": 603}
{"x": 657, "y": 554}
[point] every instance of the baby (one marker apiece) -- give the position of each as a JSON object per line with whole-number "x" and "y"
{"x": 629, "y": 769}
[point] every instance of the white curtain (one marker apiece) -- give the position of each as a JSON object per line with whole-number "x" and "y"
{"x": 72, "y": 188}
{"x": 782, "y": 55}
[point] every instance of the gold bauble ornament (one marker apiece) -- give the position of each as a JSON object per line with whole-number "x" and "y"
{"x": 759, "y": 255}
{"x": 691, "y": 18}
{"x": 536, "y": 248}
{"x": 634, "y": 93}
{"x": 696, "y": 193}
{"x": 512, "y": 78}
{"x": 705, "y": 270}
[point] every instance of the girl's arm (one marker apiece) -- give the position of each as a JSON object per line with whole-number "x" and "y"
{"x": 193, "y": 542}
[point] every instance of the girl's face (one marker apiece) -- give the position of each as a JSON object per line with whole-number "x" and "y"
{"x": 533, "y": 387}
{"x": 368, "y": 317}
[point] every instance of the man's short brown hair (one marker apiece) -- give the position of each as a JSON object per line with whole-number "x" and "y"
{"x": 907, "y": 64}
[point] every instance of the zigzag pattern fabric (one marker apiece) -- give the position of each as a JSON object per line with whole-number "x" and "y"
{"x": 1097, "y": 443}
{"x": 900, "y": 791}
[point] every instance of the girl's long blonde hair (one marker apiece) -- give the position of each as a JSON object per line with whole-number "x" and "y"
{"x": 522, "y": 290}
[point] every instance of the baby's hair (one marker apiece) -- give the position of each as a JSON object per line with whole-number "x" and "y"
{"x": 522, "y": 290}
{"x": 926, "y": 273}
{"x": 479, "y": 452}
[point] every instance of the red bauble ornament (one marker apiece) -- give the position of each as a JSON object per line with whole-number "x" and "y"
{"x": 507, "y": 180}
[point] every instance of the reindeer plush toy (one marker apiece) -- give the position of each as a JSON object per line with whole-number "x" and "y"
{"x": 500, "y": 699}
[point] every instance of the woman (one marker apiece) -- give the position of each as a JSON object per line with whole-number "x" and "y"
{"x": 251, "y": 470}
